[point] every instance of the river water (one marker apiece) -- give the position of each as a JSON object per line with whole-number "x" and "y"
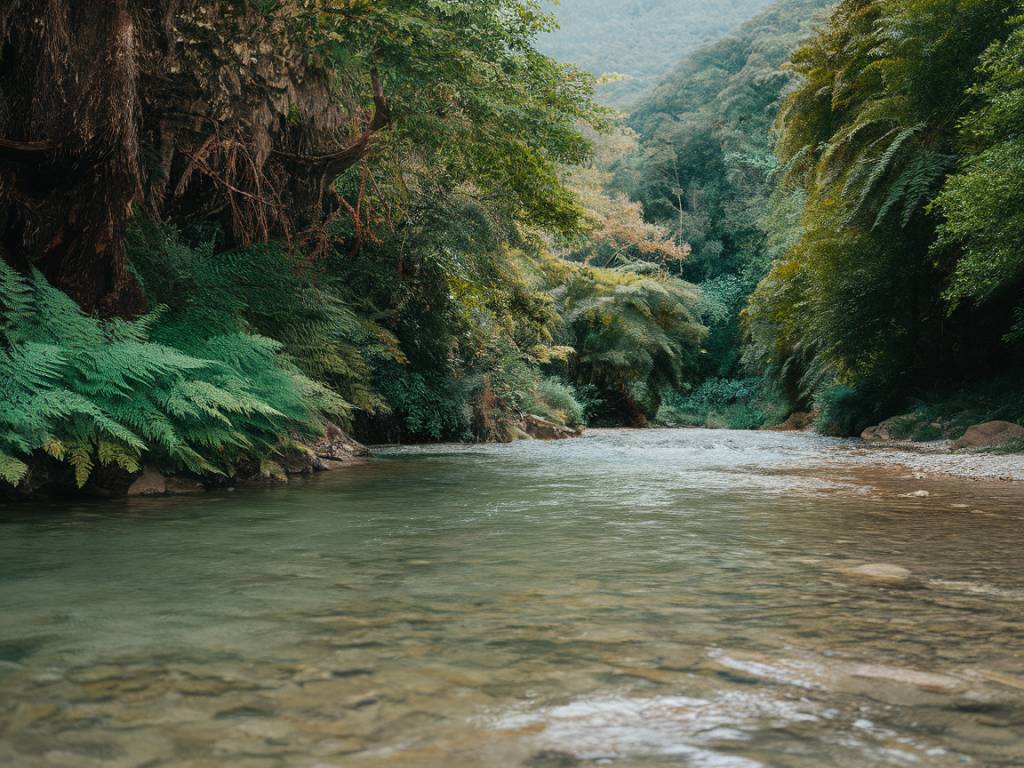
{"x": 684, "y": 598}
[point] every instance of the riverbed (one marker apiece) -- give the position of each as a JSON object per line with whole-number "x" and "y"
{"x": 649, "y": 598}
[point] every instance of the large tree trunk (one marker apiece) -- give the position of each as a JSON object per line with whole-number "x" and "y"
{"x": 70, "y": 166}
{"x": 184, "y": 108}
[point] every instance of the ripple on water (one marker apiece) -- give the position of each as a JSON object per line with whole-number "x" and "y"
{"x": 636, "y": 598}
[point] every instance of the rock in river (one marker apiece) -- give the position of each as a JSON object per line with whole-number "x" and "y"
{"x": 879, "y": 573}
{"x": 989, "y": 435}
{"x": 149, "y": 483}
{"x": 542, "y": 429}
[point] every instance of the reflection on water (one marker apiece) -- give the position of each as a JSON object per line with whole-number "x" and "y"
{"x": 634, "y": 598}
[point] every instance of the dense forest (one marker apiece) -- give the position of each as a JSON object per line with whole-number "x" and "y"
{"x": 228, "y": 225}
{"x": 704, "y": 170}
{"x": 898, "y": 209}
{"x": 853, "y": 207}
{"x": 631, "y": 44}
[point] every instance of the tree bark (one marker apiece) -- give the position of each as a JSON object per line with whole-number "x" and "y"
{"x": 185, "y": 109}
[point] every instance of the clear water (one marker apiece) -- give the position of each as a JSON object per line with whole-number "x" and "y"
{"x": 632, "y": 599}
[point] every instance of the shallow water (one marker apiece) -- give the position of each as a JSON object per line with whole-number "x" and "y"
{"x": 632, "y": 599}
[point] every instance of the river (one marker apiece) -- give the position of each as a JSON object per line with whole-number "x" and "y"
{"x": 650, "y": 598}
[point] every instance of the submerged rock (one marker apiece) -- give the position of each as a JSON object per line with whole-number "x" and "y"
{"x": 928, "y": 681}
{"x": 880, "y": 573}
{"x": 989, "y": 435}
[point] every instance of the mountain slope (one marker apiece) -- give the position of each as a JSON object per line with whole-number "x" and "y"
{"x": 639, "y": 39}
{"x": 703, "y": 171}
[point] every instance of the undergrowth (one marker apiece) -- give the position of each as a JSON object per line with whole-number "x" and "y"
{"x": 725, "y": 404}
{"x": 167, "y": 388}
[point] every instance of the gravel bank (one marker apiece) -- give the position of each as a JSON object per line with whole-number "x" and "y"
{"x": 938, "y": 458}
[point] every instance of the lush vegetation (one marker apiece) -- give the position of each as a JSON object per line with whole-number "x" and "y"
{"x": 266, "y": 217}
{"x": 704, "y": 172}
{"x": 897, "y": 170}
{"x": 402, "y": 217}
{"x": 632, "y": 44}
{"x": 847, "y": 180}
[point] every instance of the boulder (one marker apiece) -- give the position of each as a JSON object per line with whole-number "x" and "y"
{"x": 542, "y": 429}
{"x": 336, "y": 448}
{"x": 989, "y": 435}
{"x": 152, "y": 483}
{"x": 881, "y": 433}
{"x": 149, "y": 483}
{"x": 333, "y": 450}
{"x": 797, "y": 422}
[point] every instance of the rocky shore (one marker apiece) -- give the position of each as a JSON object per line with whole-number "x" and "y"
{"x": 333, "y": 451}
{"x": 982, "y": 452}
{"x": 985, "y": 451}
{"x": 47, "y": 477}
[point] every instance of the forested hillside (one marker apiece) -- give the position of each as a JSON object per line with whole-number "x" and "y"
{"x": 631, "y": 44}
{"x": 856, "y": 241}
{"x": 898, "y": 204}
{"x": 225, "y": 225}
{"x": 704, "y": 172}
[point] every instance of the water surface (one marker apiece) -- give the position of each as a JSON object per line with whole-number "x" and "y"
{"x": 629, "y": 599}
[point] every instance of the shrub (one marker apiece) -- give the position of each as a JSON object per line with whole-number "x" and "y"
{"x": 725, "y": 403}
{"x": 429, "y": 406}
{"x": 157, "y": 389}
{"x": 845, "y": 411}
{"x": 634, "y": 336}
{"x": 559, "y": 402}
{"x": 267, "y": 290}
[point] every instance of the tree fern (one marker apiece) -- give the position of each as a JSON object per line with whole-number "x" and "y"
{"x": 630, "y": 329}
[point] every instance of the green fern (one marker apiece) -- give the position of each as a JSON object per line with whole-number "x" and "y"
{"x": 157, "y": 389}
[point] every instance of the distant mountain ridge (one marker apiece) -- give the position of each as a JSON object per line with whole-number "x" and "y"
{"x": 726, "y": 76}
{"x": 639, "y": 39}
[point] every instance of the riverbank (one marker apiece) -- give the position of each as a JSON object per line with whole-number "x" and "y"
{"x": 940, "y": 458}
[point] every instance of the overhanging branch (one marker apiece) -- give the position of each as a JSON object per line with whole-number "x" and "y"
{"x": 337, "y": 161}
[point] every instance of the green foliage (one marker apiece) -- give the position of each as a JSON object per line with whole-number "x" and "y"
{"x": 983, "y": 203}
{"x": 559, "y": 402}
{"x": 273, "y": 293}
{"x": 431, "y": 407}
{"x": 854, "y": 303}
{"x": 705, "y": 167}
{"x": 844, "y": 410}
{"x": 725, "y": 403}
{"x": 117, "y": 392}
{"x": 472, "y": 97}
{"x": 634, "y": 335}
